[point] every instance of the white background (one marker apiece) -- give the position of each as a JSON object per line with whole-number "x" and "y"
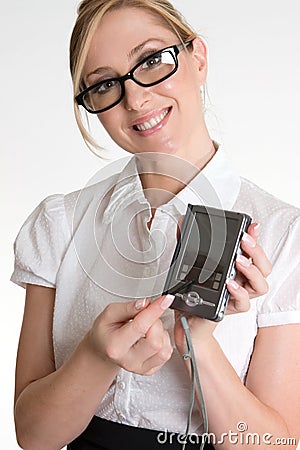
{"x": 253, "y": 84}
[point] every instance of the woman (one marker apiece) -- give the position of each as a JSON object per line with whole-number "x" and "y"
{"x": 99, "y": 364}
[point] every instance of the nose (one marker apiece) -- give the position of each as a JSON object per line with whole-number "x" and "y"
{"x": 136, "y": 96}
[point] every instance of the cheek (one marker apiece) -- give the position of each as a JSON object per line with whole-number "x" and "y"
{"x": 175, "y": 85}
{"x": 110, "y": 120}
{"x": 186, "y": 92}
{"x": 183, "y": 85}
{"x": 169, "y": 87}
{"x": 105, "y": 119}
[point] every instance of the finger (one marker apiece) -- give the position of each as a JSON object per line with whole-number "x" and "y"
{"x": 150, "y": 351}
{"x": 153, "y": 370}
{"x": 179, "y": 225}
{"x": 255, "y": 251}
{"x": 160, "y": 357}
{"x": 141, "y": 323}
{"x": 253, "y": 275}
{"x": 239, "y": 297}
{"x": 151, "y": 342}
{"x": 253, "y": 230}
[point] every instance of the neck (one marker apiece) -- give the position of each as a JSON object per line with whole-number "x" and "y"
{"x": 164, "y": 175}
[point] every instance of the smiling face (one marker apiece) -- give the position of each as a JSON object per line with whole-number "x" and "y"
{"x": 165, "y": 118}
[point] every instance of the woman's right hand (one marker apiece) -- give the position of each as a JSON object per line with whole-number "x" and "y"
{"x": 131, "y": 335}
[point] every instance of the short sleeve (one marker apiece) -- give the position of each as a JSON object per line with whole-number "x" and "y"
{"x": 41, "y": 244}
{"x": 282, "y": 303}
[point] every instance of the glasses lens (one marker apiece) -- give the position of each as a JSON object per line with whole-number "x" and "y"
{"x": 156, "y": 67}
{"x": 103, "y": 95}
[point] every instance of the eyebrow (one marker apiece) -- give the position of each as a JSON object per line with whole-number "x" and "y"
{"x": 130, "y": 56}
{"x": 140, "y": 47}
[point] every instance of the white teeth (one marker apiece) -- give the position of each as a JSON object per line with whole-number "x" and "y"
{"x": 152, "y": 122}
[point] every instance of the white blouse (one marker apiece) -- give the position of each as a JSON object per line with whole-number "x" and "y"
{"x": 94, "y": 247}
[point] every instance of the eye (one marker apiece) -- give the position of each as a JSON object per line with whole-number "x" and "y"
{"x": 104, "y": 87}
{"x": 152, "y": 62}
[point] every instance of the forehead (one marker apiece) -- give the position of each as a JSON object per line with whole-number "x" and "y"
{"x": 120, "y": 31}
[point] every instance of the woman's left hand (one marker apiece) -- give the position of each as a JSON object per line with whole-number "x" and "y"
{"x": 252, "y": 267}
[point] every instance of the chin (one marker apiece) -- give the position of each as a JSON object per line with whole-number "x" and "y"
{"x": 153, "y": 155}
{"x": 162, "y": 150}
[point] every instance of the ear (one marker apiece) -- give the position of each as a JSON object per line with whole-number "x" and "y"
{"x": 199, "y": 55}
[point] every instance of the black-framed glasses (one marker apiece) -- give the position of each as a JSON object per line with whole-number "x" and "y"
{"x": 152, "y": 70}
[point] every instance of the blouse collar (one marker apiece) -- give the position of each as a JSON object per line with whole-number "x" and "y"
{"x": 217, "y": 185}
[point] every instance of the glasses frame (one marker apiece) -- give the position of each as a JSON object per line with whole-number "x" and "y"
{"x": 175, "y": 49}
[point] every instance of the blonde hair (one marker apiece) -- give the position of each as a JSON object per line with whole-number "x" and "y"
{"x": 90, "y": 12}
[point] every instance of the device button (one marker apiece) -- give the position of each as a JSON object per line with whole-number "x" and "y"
{"x": 216, "y": 285}
{"x": 218, "y": 277}
{"x": 233, "y": 273}
{"x": 220, "y": 315}
{"x": 192, "y": 299}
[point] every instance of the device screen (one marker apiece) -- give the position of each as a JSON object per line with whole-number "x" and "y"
{"x": 207, "y": 250}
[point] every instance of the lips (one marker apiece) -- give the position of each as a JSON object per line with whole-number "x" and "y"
{"x": 151, "y": 122}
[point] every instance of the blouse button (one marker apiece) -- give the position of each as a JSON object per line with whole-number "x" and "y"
{"x": 121, "y": 385}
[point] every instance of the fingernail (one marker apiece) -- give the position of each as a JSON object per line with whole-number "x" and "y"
{"x": 243, "y": 260}
{"x": 167, "y": 301}
{"x": 249, "y": 240}
{"x": 141, "y": 303}
{"x": 257, "y": 227}
{"x": 232, "y": 283}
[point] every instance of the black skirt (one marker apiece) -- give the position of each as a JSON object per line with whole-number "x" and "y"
{"x": 103, "y": 434}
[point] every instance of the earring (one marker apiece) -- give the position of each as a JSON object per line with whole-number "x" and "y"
{"x": 203, "y": 94}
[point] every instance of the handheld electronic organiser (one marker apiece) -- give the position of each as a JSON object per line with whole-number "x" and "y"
{"x": 204, "y": 259}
